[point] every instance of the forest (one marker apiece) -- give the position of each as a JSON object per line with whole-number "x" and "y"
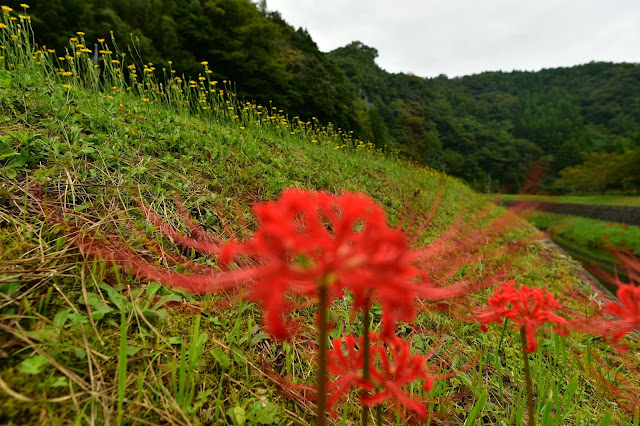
{"x": 579, "y": 125}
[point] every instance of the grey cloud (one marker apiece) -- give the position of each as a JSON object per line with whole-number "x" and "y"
{"x": 458, "y": 37}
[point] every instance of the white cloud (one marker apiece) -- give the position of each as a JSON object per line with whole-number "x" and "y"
{"x": 459, "y": 37}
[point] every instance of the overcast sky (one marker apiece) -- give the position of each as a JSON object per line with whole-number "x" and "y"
{"x": 461, "y": 37}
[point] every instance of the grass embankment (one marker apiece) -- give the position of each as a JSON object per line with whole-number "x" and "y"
{"x": 605, "y": 200}
{"x": 588, "y": 240}
{"x": 82, "y": 340}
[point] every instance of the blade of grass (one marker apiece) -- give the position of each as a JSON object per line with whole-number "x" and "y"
{"x": 122, "y": 363}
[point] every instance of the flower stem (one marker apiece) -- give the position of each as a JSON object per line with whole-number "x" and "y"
{"x": 527, "y": 377}
{"x": 365, "y": 349}
{"x": 322, "y": 358}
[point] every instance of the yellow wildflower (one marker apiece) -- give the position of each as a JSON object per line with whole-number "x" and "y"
{"x": 25, "y": 6}
{"x": 6, "y": 9}
{"x": 145, "y": 99}
{"x": 100, "y": 40}
{"x": 80, "y": 33}
{"x": 66, "y": 86}
{"x": 2, "y": 25}
{"x": 205, "y": 63}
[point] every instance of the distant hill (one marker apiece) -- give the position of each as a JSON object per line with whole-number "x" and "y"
{"x": 491, "y": 129}
{"x": 498, "y": 125}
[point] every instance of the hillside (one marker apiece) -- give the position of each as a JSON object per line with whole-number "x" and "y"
{"x": 492, "y": 129}
{"x": 86, "y": 153}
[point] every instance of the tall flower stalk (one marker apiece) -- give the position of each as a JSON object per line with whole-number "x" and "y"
{"x": 530, "y": 308}
{"x": 322, "y": 356}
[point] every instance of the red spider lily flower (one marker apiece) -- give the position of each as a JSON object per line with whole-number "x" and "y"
{"x": 528, "y": 307}
{"x": 348, "y": 367}
{"x": 391, "y": 368}
{"x": 307, "y": 239}
{"x": 628, "y": 310}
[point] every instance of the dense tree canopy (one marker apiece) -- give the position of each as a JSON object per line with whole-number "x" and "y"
{"x": 490, "y": 129}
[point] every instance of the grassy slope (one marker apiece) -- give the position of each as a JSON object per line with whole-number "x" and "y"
{"x": 64, "y": 328}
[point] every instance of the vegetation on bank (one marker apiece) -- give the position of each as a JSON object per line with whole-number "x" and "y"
{"x": 492, "y": 129}
{"x": 82, "y": 339}
{"x": 589, "y": 241}
{"x": 605, "y": 200}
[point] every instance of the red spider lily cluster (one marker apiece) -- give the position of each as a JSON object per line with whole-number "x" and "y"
{"x": 391, "y": 368}
{"x": 628, "y": 312}
{"x": 527, "y": 307}
{"x": 308, "y": 239}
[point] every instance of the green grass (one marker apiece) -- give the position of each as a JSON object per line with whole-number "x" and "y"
{"x": 589, "y": 241}
{"x": 82, "y": 340}
{"x": 607, "y": 200}
{"x": 587, "y": 233}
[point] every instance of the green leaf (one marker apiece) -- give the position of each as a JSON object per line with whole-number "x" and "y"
{"x": 55, "y": 382}
{"x": 152, "y": 289}
{"x": 115, "y": 297}
{"x": 20, "y": 136}
{"x": 238, "y": 356}
{"x": 176, "y": 340}
{"x": 167, "y": 298}
{"x": 220, "y": 357}
{"x": 263, "y": 414}
{"x": 477, "y": 409}
{"x": 259, "y": 338}
{"x": 61, "y": 318}
{"x": 80, "y": 353}
{"x": 46, "y": 334}
{"x": 132, "y": 350}
{"x": 76, "y": 319}
{"x": 98, "y": 314}
{"x": 9, "y": 288}
{"x": 154, "y": 316}
{"x": 7, "y": 155}
{"x": 33, "y": 365}
{"x": 238, "y": 415}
